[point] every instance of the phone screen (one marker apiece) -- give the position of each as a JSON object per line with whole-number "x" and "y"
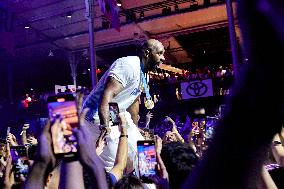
{"x": 63, "y": 107}
{"x": 146, "y": 158}
{"x": 20, "y": 162}
{"x": 114, "y": 113}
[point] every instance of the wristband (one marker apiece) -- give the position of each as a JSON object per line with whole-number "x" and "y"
{"x": 123, "y": 136}
{"x": 104, "y": 126}
{"x": 276, "y": 143}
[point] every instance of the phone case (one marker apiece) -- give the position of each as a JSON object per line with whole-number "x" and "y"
{"x": 146, "y": 158}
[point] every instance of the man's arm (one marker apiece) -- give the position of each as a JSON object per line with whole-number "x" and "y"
{"x": 112, "y": 88}
{"x": 122, "y": 150}
{"x": 133, "y": 109}
{"x": 24, "y": 134}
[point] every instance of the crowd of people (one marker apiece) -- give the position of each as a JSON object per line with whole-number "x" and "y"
{"x": 221, "y": 76}
{"x": 244, "y": 149}
{"x": 178, "y": 146}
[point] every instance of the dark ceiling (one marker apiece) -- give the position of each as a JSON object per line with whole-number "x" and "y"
{"x": 190, "y": 37}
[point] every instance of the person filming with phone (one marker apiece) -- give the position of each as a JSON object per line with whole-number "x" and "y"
{"x": 123, "y": 83}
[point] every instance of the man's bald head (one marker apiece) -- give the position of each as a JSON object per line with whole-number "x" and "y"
{"x": 152, "y": 44}
{"x": 152, "y": 54}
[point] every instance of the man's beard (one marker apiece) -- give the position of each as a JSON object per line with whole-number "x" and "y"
{"x": 153, "y": 66}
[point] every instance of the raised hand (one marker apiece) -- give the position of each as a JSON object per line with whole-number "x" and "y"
{"x": 149, "y": 115}
{"x": 100, "y": 144}
{"x": 26, "y": 127}
{"x": 32, "y": 140}
{"x": 86, "y": 142}
{"x": 12, "y": 139}
{"x": 45, "y": 152}
{"x": 9, "y": 180}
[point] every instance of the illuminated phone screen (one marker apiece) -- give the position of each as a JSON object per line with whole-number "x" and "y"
{"x": 114, "y": 113}
{"x": 146, "y": 158}
{"x": 20, "y": 162}
{"x": 63, "y": 138}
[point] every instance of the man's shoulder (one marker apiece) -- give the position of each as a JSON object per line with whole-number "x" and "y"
{"x": 129, "y": 61}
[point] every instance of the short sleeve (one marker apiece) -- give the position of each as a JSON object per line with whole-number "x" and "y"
{"x": 122, "y": 72}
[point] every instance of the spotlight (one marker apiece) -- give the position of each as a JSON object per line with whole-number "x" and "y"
{"x": 27, "y": 27}
{"x": 50, "y": 54}
{"x": 141, "y": 14}
{"x": 118, "y": 3}
{"x": 69, "y": 14}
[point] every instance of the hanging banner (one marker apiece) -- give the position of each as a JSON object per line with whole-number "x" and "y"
{"x": 111, "y": 11}
{"x": 196, "y": 89}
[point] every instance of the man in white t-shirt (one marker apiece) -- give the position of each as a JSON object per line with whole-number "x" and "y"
{"x": 122, "y": 84}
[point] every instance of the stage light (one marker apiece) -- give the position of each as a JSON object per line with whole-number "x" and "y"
{"x": 69, "y": 14}
{"x": 141, "y": 14}
{"x": 118, "y": 3}
{"x": 27, "y": 27}
{"x": 50, "y": 54}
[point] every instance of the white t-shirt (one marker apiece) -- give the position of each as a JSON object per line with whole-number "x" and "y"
{"x": 126, "y": 70}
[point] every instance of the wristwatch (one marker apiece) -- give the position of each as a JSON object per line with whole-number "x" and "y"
{"x": 123, "y": 136}
{"x": 276, "y": 143}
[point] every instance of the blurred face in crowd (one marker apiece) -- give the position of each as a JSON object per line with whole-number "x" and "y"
{"x": 2, "y": 149}
{"x": 169, "y": 137}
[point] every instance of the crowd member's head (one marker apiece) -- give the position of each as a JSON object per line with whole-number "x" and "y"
{"x": 3, "y": 148}
{"x": 129, "y": 181}
{"x": 148, "y": 134}
{"x": 168, "y": 137}
{"x": 179, "y": 159}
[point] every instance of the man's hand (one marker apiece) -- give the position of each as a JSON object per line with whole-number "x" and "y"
{"x": 12, "y": 139}
{"x": 149, "y": 116}
{"x": 45, "y": 152}
{"x": 87, "y": 155}
{"x": 26, "y": 127}
{"x": 123, "y": 124}
{"x": 162, "y": 178}
{"x": 158, "y": 144}
{"x": 100, "y": 144}
{"x": 86, "y": 142}
{"x": 170, "y": 120}
{"x": 8, "y": 175}
{"x": 32, "y": 140}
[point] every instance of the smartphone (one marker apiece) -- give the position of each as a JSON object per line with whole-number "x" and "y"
{"x": 114, "y": 113}
{"x": 147, "y": 159}
{"x": 64, "y": 107}
{"x": 20, "y": 162}
{"x": 8, "y": 130}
